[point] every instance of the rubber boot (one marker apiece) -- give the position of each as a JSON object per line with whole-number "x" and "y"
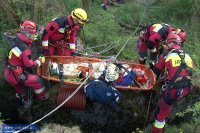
{"x": 24, "y": 101}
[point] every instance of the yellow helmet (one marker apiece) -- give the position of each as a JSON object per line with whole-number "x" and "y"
{"x": 80, "y": 15}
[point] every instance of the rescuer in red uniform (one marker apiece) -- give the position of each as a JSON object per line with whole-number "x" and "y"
{"x": 59, "y": 36}
{"x": 20, "y": 64}
{"x": 178, "y": 65}
{"x": 150, "y": 38}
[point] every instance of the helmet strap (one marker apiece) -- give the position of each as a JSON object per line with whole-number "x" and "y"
{"x": 75, "y": 21}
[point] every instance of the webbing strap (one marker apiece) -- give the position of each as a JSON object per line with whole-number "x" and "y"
{"x": 182, "y": 66}
{"x": 135, "y": 81}
{"x": 11, "y": 67}
{"x": 61, "y": 71}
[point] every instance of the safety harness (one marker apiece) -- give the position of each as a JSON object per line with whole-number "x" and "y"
{"x": 120, "y": 66}
{"x": 21, "y": 75}
{"x": 183, "y": 81}
{"x": 61, "y": 72}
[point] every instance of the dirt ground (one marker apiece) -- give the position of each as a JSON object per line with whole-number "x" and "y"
{"x": 126, "y": 117}
{"x": 134, "y": 111}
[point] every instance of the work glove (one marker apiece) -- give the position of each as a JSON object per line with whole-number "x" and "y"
{"x": 36, "y": 37}
{"x": 73, "y": 54}
{"x": 153, "y": 56}
{"x": 42, "y": 59}
{"x": 118, "y": 65}
{"x": 72, "y": 46}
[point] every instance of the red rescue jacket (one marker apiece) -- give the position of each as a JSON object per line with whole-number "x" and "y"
{"x": 20, "y": 53}
{"x": 157, "y": 33}
{"x": 171, "y": 62}
{"x": 60, "y": 29}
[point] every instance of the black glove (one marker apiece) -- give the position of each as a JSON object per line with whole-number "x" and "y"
{"x": 151, "y": 64}
{"x": 45, "y": 51}
{"x": 153, "y": 59}
{"x": 75, "y": 54}
{"x": 118, "y": 65}
{"x": 153, "y": 56}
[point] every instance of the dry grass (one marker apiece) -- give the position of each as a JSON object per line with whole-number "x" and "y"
{"x": 56, "y": 128}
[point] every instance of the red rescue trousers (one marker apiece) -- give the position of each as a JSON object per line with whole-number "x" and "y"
{"x": 33, "y": 81}
{"x": 165, "y": 105}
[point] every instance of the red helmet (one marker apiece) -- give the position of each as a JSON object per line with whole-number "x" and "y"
{"x": 173, "y": 38}
{"x": 182, "y": 34}
{"x": 28, "y": 26}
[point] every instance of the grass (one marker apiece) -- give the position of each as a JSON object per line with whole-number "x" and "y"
{"x": 182, "y": 128}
